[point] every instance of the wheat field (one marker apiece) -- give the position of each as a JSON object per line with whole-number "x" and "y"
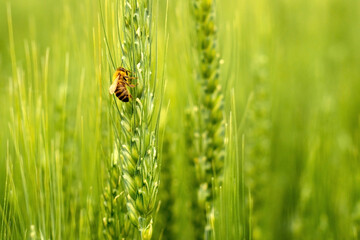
{"x": 242, "y": 120}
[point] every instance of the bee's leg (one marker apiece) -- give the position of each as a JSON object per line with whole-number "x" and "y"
{"x": 135, "y": 83}
{"x": 131, "y": 78}
{"x": 130, "y": 85}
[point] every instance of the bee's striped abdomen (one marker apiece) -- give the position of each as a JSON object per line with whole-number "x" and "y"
{"x": 122, "y": 93}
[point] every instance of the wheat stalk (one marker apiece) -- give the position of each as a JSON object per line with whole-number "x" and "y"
{"x": 258, "y": 144}
{"x": 165, "y": 219}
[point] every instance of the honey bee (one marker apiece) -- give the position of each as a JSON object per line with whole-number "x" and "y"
{"x": 121, "y": 80}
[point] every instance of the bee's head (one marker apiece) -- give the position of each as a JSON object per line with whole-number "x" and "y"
{"x": 122, "y": 71}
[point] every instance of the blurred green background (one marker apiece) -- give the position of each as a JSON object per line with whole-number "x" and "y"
{"x": 293, "y": 67}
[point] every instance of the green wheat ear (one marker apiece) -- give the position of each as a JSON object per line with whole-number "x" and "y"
{"x": 138, "y": 135}
{"x": 209, "y": 119}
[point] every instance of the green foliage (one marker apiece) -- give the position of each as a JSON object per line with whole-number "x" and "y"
{"x": 283, "y": 130}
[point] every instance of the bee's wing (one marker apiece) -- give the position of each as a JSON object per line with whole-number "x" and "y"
{"x": 113, "y": 86}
